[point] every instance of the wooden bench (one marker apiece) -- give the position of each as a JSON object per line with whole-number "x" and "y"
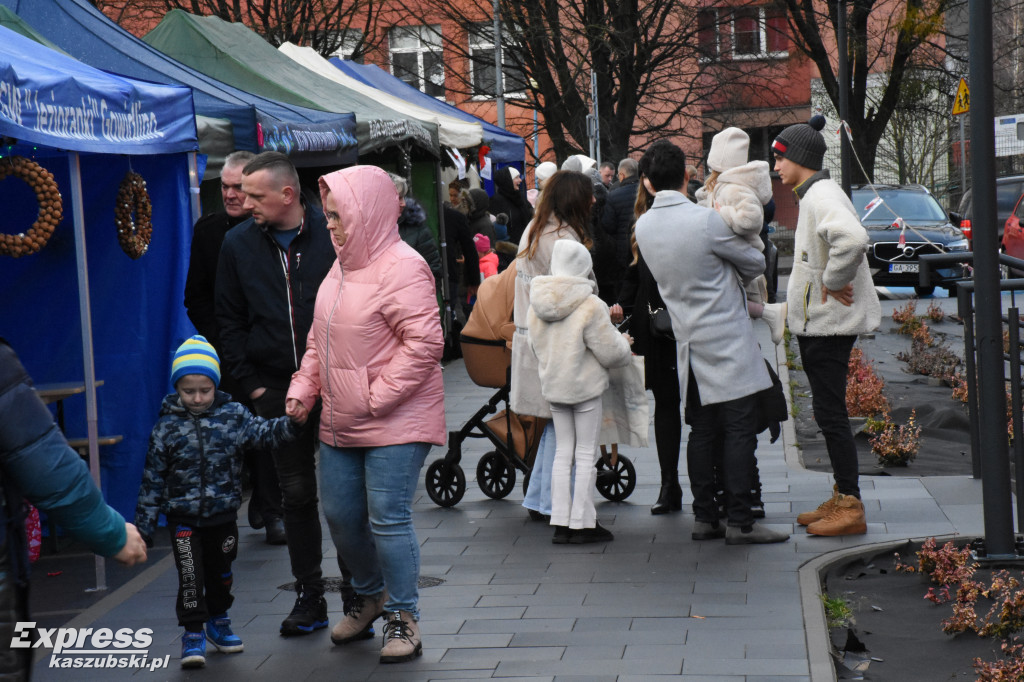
{"x": 82, "y": 444}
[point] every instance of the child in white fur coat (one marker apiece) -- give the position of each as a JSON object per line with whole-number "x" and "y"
{"x": 574, "y": 340}
{"x": 738, "y": 190}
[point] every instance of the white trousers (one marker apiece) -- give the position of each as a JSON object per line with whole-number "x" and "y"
{"x": 577, "y": 428}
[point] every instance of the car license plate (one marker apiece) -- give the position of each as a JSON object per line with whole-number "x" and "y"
{"x": 903, "y": 267}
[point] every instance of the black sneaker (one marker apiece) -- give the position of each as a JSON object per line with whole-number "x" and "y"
{"x": 308, "y": 614}
{"x": 587, "y": 535}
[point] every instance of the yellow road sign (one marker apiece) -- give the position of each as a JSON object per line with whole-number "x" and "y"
{"x": 962, "y": 101}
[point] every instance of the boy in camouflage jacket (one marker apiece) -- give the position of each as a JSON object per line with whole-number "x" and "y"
{"x": 193, "y": 476}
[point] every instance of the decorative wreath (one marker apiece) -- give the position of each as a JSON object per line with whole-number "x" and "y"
{"x": 51, "y": 208}
{"x": 135, "y": 232}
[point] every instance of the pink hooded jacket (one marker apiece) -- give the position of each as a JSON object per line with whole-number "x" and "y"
{"x": 374, "y": 349}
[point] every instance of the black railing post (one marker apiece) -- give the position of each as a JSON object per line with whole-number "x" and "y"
{"x": 1013, "y": 351}
{"x": 964, "y": 301}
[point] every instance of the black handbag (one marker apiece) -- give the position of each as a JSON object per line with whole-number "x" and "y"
{"x": 771, "y": 406}
{"x": 660, "y": 323}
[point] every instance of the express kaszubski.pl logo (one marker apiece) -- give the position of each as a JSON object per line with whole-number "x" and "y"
{"x": 90, "y": 648}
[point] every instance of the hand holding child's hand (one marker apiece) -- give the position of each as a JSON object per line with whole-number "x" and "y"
{"x": 134, "y": 550}
{"x": 296, "y": 411}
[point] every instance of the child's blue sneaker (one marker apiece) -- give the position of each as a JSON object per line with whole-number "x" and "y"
{"x": 193, "y": 650}
{"x": 218, "y": 631}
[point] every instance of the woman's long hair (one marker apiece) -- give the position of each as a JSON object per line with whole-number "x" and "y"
{"x": 567, "y": 197}
{"x": 644, "y": 199}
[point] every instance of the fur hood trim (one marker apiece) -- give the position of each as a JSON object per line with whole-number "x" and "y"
{"x": 555, "y": 297}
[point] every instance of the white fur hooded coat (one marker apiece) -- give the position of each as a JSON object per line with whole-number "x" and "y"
{"x": 571, "y": 332}
{"x": 739, "y": 197}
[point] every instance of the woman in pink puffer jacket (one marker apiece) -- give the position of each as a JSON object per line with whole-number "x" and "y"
{"x": 373, "y": 357}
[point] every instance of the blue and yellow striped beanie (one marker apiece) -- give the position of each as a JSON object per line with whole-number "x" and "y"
{"x": 195, "y": 356}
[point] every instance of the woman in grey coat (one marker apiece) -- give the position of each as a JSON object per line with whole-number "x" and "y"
{"x": 701, "y": 266}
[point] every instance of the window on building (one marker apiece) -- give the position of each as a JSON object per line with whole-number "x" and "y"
{"x": 347, "y": 41}
{"x": 481, "y": 64}
{"x": 708, "y": 34}
{"x": 759, "y": 32}
{"x": 416, "y": 57}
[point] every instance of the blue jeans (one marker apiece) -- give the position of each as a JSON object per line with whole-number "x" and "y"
{"x": 538, "y": 492}
{"x": 367, "y": 499}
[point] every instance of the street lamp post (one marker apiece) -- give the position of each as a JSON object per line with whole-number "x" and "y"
{"x": 499, "y": 85}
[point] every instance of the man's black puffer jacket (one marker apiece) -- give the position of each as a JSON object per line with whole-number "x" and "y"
{"x": 265, "y": 299}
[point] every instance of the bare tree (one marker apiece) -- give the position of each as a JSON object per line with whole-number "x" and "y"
{"x": 328, "y": 26}
{"x": 916, "y": 148}
{"x": 883, "y": 38}
{"x": 651, "y": 70}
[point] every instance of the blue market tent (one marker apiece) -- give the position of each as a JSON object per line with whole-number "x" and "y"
{"x": 89, "y": 128}
{"x": 506, "y": 148}
{"x": 309, "y": 136}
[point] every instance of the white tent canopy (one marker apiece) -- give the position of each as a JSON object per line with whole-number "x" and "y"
{"x": 451, "y": 132}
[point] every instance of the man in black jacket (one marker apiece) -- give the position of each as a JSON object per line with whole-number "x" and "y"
{"x": 270, "y": 269}
{"x": 617, "y": 218}
{"x": 207, "y": 237}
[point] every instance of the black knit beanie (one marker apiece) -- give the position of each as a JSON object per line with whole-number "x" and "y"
{"x": 802, "y": 143}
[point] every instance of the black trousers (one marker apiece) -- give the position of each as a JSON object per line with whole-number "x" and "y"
{"x": 722, "y": 437}
{"x": 295, "y": 464}
{"x": 660, "y": 367}
{"x": 825, "y": 360}
{"x": 203, "y": 556}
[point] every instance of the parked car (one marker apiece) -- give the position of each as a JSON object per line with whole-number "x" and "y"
{"x": 928, "y": 231}
{"x": 1008, "y": 189}
{"x": 1013, "y": 232}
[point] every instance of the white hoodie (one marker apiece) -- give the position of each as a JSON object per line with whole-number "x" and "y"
{"x": 570, "y": 329}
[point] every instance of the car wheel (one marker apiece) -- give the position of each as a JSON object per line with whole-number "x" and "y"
{"x": 924, "y": 291}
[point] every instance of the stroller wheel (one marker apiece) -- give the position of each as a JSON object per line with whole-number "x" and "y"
{"x": 495, "y": 476}
{"x": 446, "y": 483}
{"x": 616, "y": 482}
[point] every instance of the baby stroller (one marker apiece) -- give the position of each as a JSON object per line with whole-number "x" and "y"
{"x": 486, "y": 348}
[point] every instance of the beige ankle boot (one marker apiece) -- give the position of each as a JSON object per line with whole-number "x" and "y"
{"x": 358, "y": 621}
{"x": 401, "y": 638}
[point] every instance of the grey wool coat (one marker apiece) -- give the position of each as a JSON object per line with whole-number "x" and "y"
{"x": 700, "y": 266}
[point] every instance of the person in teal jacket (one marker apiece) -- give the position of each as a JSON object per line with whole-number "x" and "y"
{"x": 38, "y": 465}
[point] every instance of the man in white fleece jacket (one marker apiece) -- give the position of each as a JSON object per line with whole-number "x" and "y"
{"x": 831, "y": 300}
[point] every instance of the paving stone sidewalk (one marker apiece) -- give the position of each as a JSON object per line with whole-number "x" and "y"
{"x": 651, "y": 605}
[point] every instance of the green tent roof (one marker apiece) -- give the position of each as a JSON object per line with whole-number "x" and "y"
{"x": 234, "y": 54}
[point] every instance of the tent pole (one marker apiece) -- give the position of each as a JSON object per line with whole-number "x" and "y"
{"x": 193, "y": 187}
{"x": 77, "y": 211}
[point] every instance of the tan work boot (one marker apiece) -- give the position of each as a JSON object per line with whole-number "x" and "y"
{"x": 809, "y": 517}
{"x": 401, "y": 638}
{"x": 358, "y": 621}
{"x": 846, "y": 518}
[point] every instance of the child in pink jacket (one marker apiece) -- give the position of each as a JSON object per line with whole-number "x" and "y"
{"x": 373, "y": 356}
